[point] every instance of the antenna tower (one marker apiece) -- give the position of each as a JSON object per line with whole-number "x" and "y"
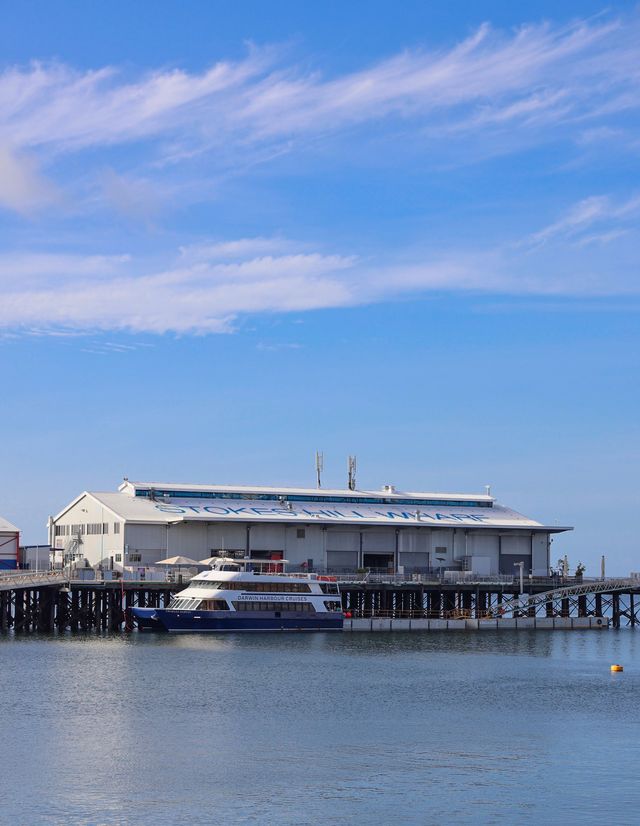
{"x": 352, "y": 473}
{"x": 319, "y": 467}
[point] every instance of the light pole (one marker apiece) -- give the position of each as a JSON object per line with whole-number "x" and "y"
{"x": 521, "y": 566}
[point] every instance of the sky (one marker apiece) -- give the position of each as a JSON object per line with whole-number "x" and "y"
{"x": 235, "y": 233}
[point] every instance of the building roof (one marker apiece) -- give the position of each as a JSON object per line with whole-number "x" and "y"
{"x": 6, "y": 526}
{"x": 176, "y": 509}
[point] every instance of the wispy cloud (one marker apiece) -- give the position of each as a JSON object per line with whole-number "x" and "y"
{"x": 240, "y": 112}
{"x": 209, "y": 286}
{"x": 136, "y": 141}
{"x": 597, "y": 210}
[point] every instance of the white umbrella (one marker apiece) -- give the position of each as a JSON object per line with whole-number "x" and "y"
{"x": 213, "y": 559}
{"x": 177, "y": 560}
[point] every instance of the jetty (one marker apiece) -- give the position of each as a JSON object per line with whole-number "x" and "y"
{"x": 55, "y": 601}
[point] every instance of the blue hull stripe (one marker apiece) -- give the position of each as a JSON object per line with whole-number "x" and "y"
{"x": 159, "y": 619}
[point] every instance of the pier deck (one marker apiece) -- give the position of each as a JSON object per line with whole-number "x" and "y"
{"x": 50, "y": 601}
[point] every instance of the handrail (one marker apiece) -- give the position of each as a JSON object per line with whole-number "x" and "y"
{"x": 532, "y": 601}
{"x": 13, "y": 580}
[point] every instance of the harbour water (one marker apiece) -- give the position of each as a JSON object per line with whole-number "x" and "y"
{"x": 492, "y": 727}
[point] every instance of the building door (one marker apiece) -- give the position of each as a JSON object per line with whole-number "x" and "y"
{"x": 380, "y": 562}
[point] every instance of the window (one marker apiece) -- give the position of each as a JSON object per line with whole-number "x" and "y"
{"x": 182, "y": 604}
{"x": 300, "y": 533}
{"x": 332, "y": 606}
{"x": 329, "y": 587}
{"x": 116, "y": 527}
{"x": 300, "y": 607}
{"x": 440, "y": 551}
{"x": 61, "y": 530}
{"x": 214, "y": 605}
{"x": 267, "y": 587}
{"x": 94, "y": 528}
{"x": 135, "y": 557}
{"x": 118, "y": 557}
{"x": 105, "y": 527}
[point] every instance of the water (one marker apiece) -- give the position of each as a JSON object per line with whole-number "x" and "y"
{"x": 492, "y": 727}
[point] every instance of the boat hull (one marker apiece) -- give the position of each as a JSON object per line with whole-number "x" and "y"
{"x": 163, "y": 620}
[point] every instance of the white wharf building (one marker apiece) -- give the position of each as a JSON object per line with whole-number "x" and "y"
{"x": 335, "y": 530}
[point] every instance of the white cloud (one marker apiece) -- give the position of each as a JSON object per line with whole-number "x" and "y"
{"x": 208, "y": 292}
{"x": 202, "y": 296}
{"x": 251, "y": 109}
{"x": 598, "y": 210}
{"x": 239, "y": 249}
{"x": 22, "y": 188}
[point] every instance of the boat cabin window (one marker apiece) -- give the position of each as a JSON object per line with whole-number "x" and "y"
{"x": 268, "y": 587}
{"x": 214, "y": 605}
{"x": 329, "y": 587}
{"x": 184, "y": 604}
{"x": 305, "y": 607}
{"x": 330, "y": 605}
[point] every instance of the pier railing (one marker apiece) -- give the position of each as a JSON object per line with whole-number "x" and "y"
{"x": 33, "y": 579}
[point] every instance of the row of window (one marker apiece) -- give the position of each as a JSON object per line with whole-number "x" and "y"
{"x": 184, "y": 604}
{"x": 132, "y": 557}
{"x": 298, "y": 497}
{"x": 262, "y": 587}
{"x": 94, "y": 528}
{"x": 88, "y": 528}
{"x": 305, "y": 607}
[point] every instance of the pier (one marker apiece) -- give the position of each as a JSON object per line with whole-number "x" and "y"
{"x": 51, "y": 601}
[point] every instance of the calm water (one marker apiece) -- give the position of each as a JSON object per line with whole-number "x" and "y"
{"x": 491, "y": 727}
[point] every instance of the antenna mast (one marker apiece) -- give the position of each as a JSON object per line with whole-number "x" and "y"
{"x": 352, "y": 473}
{"x": 319, "y": 467}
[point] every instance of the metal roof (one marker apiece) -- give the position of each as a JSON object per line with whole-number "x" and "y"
{"x": 142, "y": 509}
{"x": 6, "y": 526}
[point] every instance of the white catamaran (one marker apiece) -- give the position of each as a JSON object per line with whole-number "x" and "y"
{"x": 240, "y": 595}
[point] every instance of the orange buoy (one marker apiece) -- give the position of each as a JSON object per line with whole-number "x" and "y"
{"x": 617, "y": 668}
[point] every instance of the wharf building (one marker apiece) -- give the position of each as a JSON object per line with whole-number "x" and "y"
{"x": 315, "y": 529}
{"x": 9, "y": 544}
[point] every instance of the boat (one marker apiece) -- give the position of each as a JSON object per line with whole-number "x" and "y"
{"x": 248, "y": 595}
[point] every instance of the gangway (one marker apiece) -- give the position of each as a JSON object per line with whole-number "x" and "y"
{"x": 529, "y": 603}
{"x": 34, "y": 579}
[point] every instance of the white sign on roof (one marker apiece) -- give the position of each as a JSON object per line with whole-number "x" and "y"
{"x": 243, "y": 510}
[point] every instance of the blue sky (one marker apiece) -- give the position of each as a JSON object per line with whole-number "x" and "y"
{"x": 232, "y": 233}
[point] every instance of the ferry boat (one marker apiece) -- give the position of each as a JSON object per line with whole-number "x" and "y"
{"x": 239, "y": 595}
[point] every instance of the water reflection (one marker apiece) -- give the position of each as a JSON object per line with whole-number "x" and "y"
{"x": 402, "y": 727}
